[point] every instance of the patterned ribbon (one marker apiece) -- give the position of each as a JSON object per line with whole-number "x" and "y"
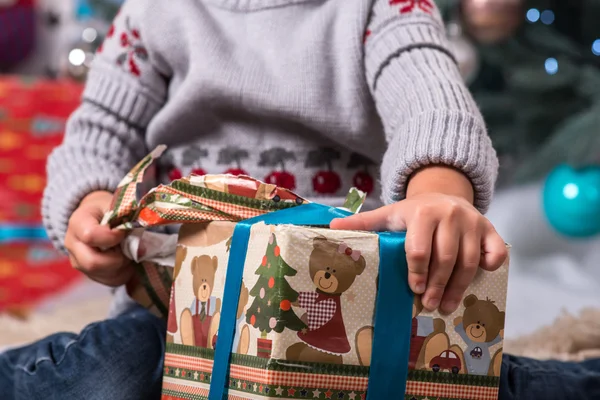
{"x": 389, "y": 361}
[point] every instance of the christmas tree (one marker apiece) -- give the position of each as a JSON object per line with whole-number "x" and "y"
{"x": 537, "y": 80}
{"x": 273, "y": 295}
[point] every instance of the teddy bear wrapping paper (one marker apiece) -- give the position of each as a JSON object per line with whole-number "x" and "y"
{"x": 303, "y": 325}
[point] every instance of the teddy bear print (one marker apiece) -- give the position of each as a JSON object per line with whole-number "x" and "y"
{"x": 481, "y": 327}
{"x": 241, "y": 338}
{"x": 422, "y": 327}
{"x": 200, "y": 322}
{"x": 180, "y": 254}
{"x": 438, "y": 355}
{"x": 333, "y": 268}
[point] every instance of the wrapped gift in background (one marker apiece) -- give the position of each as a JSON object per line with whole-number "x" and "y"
{"x": 267, "y": 303}
{"x": 32, "y": 121}
{"x": 17, "y": 31}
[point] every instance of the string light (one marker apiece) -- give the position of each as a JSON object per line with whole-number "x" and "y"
{"x": 89, "y": 35}
{"x": 533, "y": 15}
{"x": 547, "y": 17}
{"x": 77, "y": 57}
{"x": 551, "y": 66}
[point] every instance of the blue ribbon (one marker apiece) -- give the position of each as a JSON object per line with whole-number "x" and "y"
{"x": 18, "y": 233}
{"x": 389, "y": 361}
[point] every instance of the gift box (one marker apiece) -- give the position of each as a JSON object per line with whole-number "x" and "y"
{"x": 267, "y": 303}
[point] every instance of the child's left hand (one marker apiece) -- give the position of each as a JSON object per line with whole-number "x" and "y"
{"x": 447, "y": 240}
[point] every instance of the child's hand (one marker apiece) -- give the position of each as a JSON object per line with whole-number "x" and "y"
{"x": 85, "y": 237}
{"x": 447, "y": 240}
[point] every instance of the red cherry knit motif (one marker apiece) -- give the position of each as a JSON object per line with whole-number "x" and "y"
{"x": 325, "y": 181}
{"x": 277, "y": 157}
{"x": 175, "y": 174}
{"x": 362, "y": 180}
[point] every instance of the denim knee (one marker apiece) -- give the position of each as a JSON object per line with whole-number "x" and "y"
{"x": 527, "y": 379}
{"x": 119, "y": 358}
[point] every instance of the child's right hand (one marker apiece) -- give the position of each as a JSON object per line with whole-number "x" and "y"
{"x": 86, "y": 237}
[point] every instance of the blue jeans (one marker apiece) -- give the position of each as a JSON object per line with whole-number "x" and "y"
{"x": 122, "y": 359}
{"x": 115, "y": 359}
{"x": 524, "y": 378}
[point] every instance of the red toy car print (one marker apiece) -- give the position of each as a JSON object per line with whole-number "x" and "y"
{"x": 447, "y": 361}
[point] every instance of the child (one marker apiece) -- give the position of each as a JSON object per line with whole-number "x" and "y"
{"x": 304, "y": 93}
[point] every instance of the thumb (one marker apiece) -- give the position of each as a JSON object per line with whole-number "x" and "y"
{"x": 100, "y": 236}
{"x": 382, "y": 219}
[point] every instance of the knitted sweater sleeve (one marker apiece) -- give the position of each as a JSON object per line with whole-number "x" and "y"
{"x": 428, "y": 114}
{"x": 104, "y": 137}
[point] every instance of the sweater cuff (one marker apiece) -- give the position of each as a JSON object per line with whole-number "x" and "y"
{"x": 69, "y": 183}
{"x": 450, "y": 138}
{"x": 121, "y": 95}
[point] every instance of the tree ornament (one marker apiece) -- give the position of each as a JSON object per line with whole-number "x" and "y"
{"x": 272, "y": 323}
{"x": 285, "y": 305}
{"x": 271, "y": 282}
{"x": 264, "y": 261}
{"x": 571, "y": 199}
{"x": 492, "y": 21}
{"x": 277, "y": 251}
{"x": 262, "y": 293}
{"x": 464, "y": 51}
{"x": 253, "y": 320}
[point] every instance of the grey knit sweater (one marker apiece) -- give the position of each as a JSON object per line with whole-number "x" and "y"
{"x": 316, "y": 95}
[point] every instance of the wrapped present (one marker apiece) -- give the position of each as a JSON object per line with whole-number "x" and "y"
{"x": 269, "y": 303}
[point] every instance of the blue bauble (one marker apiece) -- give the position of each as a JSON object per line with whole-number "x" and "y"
{"x": 572, "y": 200}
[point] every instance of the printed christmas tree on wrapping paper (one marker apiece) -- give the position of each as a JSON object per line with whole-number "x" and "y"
{"x": 271, "y": 309}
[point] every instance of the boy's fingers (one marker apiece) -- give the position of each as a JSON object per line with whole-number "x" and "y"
{"x": 445, "y": 250}
{"x": 89, "y": 231}
{"x": 466, "y": 267}
{"x": 95, "y": 262}
{"x": 418, "y": 252}
{"x": 376, "y": 220}
{"x": 117, "y": 278}
{"x": 494, "y": 249}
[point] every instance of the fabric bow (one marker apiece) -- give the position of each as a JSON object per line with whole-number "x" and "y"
{"x": 344, "y": 249}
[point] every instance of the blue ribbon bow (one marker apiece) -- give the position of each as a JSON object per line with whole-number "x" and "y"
{"x": 393, "y": 313}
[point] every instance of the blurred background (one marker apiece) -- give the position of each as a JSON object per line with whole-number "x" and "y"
{"x": 532, "y": 65}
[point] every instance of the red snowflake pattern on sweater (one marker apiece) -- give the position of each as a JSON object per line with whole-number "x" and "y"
{"x": 410, "y": 5}
{"x": 133, "y": 51}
